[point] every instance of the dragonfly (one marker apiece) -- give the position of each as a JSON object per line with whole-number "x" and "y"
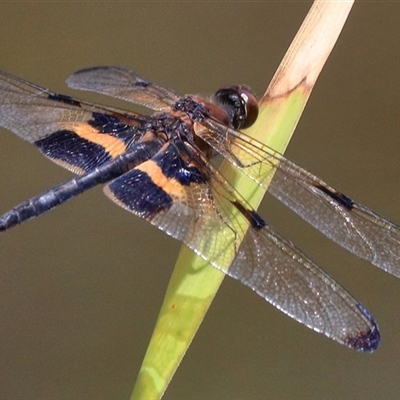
{"x": 161, "y": 167}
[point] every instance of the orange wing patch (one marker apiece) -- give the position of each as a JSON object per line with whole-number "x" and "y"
{"x": 112, "y": 145}
{"x": 170, "y": 185}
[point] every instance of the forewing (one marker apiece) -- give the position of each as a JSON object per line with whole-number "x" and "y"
{"x": 199, "y": 208}
{"x": 75, "y": 134}
{"x": 351, "y": 225}
{"x": 124, "y": 84}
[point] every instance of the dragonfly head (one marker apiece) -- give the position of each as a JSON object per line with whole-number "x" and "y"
{"x": 240, "y": 104}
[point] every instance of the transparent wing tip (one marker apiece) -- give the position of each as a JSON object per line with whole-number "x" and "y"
{"x": 366, "y": 341}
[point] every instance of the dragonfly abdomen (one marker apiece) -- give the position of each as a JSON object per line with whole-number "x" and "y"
{"x": 52, "y": 198}
{"x": 60, "y": 194}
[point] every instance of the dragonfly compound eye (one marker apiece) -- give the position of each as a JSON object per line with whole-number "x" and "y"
{"x": 240, "y": 104}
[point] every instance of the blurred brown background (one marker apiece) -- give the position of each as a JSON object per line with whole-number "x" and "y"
{"x": 80, "y": 288}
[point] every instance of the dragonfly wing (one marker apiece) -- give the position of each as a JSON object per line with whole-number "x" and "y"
{"x": 75, "y": 134}
{"x": 124, "y": 84}
{"x": 209, "y": 217}
{"x": 351, "y": 225}
{"x": 285, "y": 277}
